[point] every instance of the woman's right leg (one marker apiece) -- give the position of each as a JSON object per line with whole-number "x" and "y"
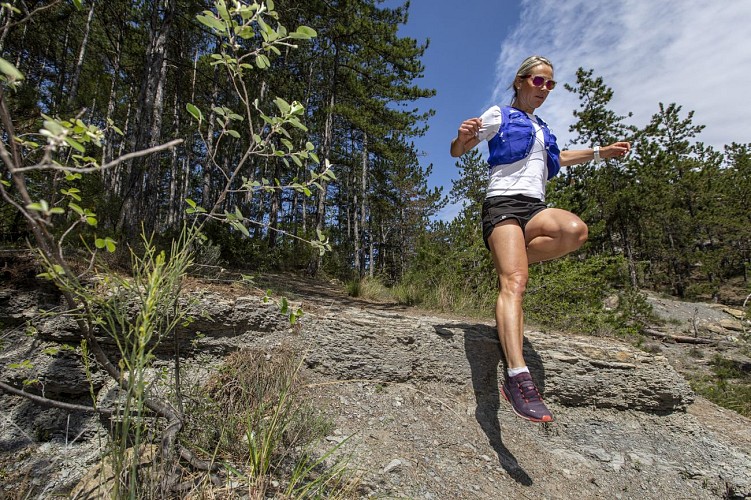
{"x": 508, "y": 248}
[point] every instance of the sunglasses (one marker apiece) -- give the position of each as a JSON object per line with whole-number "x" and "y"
{"x": 541, "y": 81}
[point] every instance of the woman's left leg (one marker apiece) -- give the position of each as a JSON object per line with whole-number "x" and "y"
{"x": 553, "y": 233}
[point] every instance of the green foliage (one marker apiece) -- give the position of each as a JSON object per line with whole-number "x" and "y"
{"x": 371, "y": 289}
{"x": 137, "y": 313}
{"x": 729, "y": 387}
{"x": 569, "y": 294}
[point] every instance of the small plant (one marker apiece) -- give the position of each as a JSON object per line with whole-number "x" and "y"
{"x": 729, "y": 387}
{"x": 252, "y": 415}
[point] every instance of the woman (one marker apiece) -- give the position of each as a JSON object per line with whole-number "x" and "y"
{"x": 518, "y": 228}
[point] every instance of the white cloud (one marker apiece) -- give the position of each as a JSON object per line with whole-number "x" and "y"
{"x": 694, "y": 53}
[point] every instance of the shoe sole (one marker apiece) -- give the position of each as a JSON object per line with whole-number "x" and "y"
{"x": 525, "y": 417}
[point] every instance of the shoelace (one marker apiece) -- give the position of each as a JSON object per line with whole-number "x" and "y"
{"x": 529, "y": 391}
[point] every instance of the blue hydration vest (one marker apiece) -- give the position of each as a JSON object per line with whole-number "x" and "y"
{"x": 515, "y": 139}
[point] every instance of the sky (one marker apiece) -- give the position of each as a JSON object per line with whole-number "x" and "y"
{"x": 695, "y": 53}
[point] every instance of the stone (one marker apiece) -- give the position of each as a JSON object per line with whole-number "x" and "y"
{"x": 393, "y": 466}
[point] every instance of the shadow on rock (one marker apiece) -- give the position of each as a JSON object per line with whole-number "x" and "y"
{"x": 484, "y": 354}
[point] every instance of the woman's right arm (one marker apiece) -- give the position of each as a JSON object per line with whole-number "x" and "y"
{"x": 466, "y": 138}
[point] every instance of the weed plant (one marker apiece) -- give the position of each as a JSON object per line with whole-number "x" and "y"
{"x": 729, "y": 386}
{"x": 253, "y": 418}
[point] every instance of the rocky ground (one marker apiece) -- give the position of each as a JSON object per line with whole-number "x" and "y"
{"x": 415, "y": 395}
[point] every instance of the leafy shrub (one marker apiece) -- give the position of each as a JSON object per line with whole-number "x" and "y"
{"x": 729, "y": 387}
{"x": 569, "y": 294}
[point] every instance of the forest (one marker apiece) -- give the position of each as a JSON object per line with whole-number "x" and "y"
{"x": 286, "y": 129}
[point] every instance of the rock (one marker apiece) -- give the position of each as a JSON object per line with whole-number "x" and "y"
{"x": 399, "y": 383}
{"x": 571, "y": 370}
{"x": 394, "y": 466}
{"x": 736, "y": 313}
{"x": 730, "y": 324}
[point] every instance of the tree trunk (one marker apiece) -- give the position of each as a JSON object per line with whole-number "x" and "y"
{"x": 276, "y": 196}
{"x": 371, "y": 261}
{"x": 363, "y": 203}
{"x": 328, "y": 132}
{"x": 173, "y": 205}
{"x": 61, "y": 73}
{"x": 628, "y": 250}
{"x": 142, "y": 181}
{"x": 73, "y": 92}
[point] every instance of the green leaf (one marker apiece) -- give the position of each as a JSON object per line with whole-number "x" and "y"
{"x": 72, "y": 192}
{"x": 28, "y": 144}
{"x": 284, "y": 306}
{"x": 78, "y": 4}
{"x": 233, "y": 133}
{"x": 52, "y": 127}
{"x": 76, "y": 208}
{"x": 262, "y": 61}
{"x": 240, "y": 227}
{"x": 57, "y": 210}
{"x": 212, "y": 22}
{"x": 283, "y": 105}
{"x": 194, "y": 112}
{"x": 75, "y": 144}
{"x": 304, "y": 33}
{"x": 221, "y": 8}
{"x": 40, "y": 206}
{"x": 244, "y": 32}
{"x": 107, "y": 243}
{"x": 9, "y": 70}
{"x": 23, "y": 364}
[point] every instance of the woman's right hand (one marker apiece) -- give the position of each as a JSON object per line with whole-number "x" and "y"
{"x": 469, "y": 129}
{"x": 466, "y": 137}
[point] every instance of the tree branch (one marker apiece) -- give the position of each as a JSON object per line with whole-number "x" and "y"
{"x": 113, "y": 163}
{"x": 51, "y": 403}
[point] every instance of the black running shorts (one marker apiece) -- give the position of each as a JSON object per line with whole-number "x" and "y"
{"x": 499, "y": 208}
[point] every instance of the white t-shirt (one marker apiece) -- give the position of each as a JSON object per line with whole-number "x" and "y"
{"x": 527, "y": 176}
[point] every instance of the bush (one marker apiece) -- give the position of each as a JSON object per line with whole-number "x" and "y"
{"x": 729, "y": 387}
{"x": 569, "y": 294}
{"x": 371, "y": 289}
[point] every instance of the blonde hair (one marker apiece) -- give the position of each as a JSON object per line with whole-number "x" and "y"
{"x": 525, "y": 68}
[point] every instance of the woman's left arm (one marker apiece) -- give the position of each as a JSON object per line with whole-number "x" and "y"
{"x": 575, "y": 156}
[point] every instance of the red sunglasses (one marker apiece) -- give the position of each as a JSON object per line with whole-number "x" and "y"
{"x": 541, "y": 81}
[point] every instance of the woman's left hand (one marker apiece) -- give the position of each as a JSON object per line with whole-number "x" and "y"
{"x": 615, "y": 150}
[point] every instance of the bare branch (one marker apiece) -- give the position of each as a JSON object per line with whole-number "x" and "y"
{"x": 32, "y": 13}
{"x": 51, "y": 403}
{"x": 113, "y": 163}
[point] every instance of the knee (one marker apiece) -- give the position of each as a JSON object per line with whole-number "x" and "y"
{"x": 577, "y": 233}
{"x": 514, "y": 283}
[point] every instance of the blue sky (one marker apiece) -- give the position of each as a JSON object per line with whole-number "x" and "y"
{"x": 696, "y": 53}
